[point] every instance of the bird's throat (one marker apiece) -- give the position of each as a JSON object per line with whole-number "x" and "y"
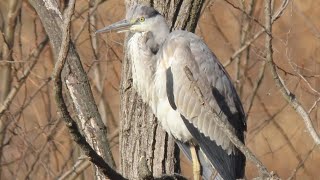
{"x": 143, "y": 67}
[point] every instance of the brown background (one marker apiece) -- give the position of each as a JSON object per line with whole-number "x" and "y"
{"x": 276, "y": 134}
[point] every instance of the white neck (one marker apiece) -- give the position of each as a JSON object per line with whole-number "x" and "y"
{"x": 143, "y": 69}
{"x": 160, "y": 30}
{"x": 144, "y": 62}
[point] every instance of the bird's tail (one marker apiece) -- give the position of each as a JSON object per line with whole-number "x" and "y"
{"x": 212, "y": 157}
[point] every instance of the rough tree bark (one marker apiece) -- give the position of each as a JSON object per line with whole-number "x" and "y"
{"x": 140, "y": 133}
{"x": 77, "y": 84}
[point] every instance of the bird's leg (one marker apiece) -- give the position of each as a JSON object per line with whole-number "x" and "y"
{"x": 195, "y": 163}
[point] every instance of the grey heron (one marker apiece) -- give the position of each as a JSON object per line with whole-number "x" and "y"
{"x": 158, "y": 60}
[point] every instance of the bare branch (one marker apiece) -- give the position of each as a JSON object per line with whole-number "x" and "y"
{"x": 248, "y": 15}
{"x": 301, "y": 164}
{"x": 256, "y": 85}
{"x": 62, "y": 108}
{"x": 99, "y": 77}
{"x": 31, "y": 97}
{"x": 275, "y": 17}
{"x": 41, "y": 150}
{"x": 294, "y": 67}
{"x": 81, "y": 165}
{"x": 33, "y": 57}
{"x": 289, "y": 96}
{"x": 314, "y": 105}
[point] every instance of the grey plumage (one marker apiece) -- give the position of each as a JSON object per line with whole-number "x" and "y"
{"x": 158, "y": 61}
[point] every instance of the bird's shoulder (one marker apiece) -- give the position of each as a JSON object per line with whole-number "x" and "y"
{"x": 180, "y": 40}
{"x": 188, "y": 44}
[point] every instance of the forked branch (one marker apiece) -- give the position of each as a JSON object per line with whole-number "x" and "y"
{"x": 62, "y": 108}
{"x": 289, "y": 96}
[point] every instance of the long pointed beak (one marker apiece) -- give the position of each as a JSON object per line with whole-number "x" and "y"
{"x": 120, "y": 26}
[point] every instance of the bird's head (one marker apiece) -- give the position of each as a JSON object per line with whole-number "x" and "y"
{"x": 139, "y": 19}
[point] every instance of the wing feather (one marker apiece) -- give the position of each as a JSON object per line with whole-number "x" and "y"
{"x": 189, "y": 50}
{"x": 214, "y": 83}
{"x": 185, "y": 104}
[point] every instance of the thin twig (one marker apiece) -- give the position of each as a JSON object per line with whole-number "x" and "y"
{"x": 293, "y": 66}
{"x": 78, "y": 168}
{"x": 41, "y": 150}
{"x": 99, "y": 77}
{"x": 289, "y": 96}
{"x": 32, "y": 97}
{"x": 245, "y": 13}
{"x": 247, "y": 44}
{"x": 301, "y": 164}
{"x": 244, "y": 31}
{"x": 104, "y": 107}
{"x": 314, "y": 105}
{"x": 33, "y": 57}
{"x": 247, "y": 30}
{"x": 256, "y": 86}
{"x": 92, "y": 11}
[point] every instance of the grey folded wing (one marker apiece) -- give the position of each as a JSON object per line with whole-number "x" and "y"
{"x": 217, "y": 90}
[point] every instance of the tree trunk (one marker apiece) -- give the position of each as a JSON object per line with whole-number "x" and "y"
{"x": 140, "y": 133}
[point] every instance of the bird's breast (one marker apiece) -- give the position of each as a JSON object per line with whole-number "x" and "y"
{"x": 172, "y": 122}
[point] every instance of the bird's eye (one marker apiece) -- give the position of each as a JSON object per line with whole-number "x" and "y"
{"x": 141, "y": 19}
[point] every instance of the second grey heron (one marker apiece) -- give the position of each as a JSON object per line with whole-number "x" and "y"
{"x": 158, "y": 61}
